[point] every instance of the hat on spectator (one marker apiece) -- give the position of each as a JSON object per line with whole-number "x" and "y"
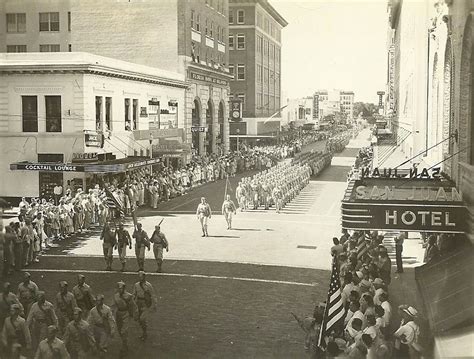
{"x": 378, "y": 281}
{"x": 411, "y": 311}
{"x": 359, "y": 274}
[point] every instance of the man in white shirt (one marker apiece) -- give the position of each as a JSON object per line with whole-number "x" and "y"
{"x": 57, "y": 191}
{"x": 355, "y": 308}
{"x": 386, "y": 307}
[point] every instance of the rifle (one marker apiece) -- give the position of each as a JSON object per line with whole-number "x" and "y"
{"x": 300, "y": 322}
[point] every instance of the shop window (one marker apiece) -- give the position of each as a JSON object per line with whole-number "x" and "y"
{"x": 108, "y": 113}
{"x": 49, "y": 21}
{"x": 29, "y": 113}
{"x": 53, "y": 113}
{"x": 135, "y": 114}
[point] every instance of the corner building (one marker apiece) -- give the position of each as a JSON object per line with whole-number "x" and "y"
{"x": 255, "y": 60}
{"x": 183, "y": 36}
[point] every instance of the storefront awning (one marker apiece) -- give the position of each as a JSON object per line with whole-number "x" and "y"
{"x": 112, "y": 166}
{"x": 401, "y": 204}
{"x": 447, "y": 290}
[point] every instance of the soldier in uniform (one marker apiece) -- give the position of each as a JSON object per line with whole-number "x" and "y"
{"x": 78, "y": 337}
{"x": 123, "y": 241}
{"x": 65, "y": 304}
{"x": 125, "y": 308}
{"x": 160, "y": 242}
{"x": 228, "y": 208}
{"x": 204, "y": 213}
{"x": 266, "y": 195}
{"x": 27, "y": 292}
{"x": 141, "y": 242}
{"x": 16, "y": 338}
{"x": 145, "y": 297}
{"x": 102, "y": 324}
{"x": 52, "y": 347}
{"x": 277, "y": 197}
{"x": 41, "y": 316}
{"x": 7, "y": 299}
{"x": 83, "y": 294}
{"x": 109, "y": 242}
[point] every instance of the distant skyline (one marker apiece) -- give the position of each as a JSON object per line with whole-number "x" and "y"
{"x": 333, "y": 44}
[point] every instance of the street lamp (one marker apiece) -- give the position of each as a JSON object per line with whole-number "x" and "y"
{"x": 238, "y": 133}
{"x": 151, "y": 152}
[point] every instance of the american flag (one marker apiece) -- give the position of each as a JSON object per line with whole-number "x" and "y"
{"x": 113, "y": 201}
{"x": 361, "y": 247}
{"x": 334, "y": 311}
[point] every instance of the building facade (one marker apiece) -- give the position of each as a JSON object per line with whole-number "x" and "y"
{"x": 334, "y": 102}
{"x": 189, "y": 37}
{"x": 67, "y": 108}
{"x": 255, "y": 60}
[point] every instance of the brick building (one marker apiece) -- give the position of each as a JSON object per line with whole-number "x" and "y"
{"x": 335, "y": 101}
{"x": 188, "y": 37}
{"x": 255, "y": 60}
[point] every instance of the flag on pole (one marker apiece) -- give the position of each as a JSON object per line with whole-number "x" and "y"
{"x": 334, "y": 312}
{"x": 114, "y": 202}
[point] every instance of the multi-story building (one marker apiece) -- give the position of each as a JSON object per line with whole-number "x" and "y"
{"x": 335, "y": 102}
{"x": 188, "y": 37}
{"x": 299, "y": 111}
{"x": 255, "y": 60}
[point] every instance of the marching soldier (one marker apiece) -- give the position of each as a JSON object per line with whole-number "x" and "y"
{"x": 65, "y": 304}
{"x": 41, "y": 316}
{"x": 27, "y": 293}
{"x": 78, "y": 337}
{"x": 83, "y": 294}
{"x": 228, "y": 208}
{"x": 16, "y": 338}
{"x": 277, "y": 197}
{"x": 52, "y": 347}
{"x": 7, "y": 299}
{"x": 109, "y": 242}
{"x": 160, "y": 242}
{"x": 141, "y": 242}
{"x": 123, "y": 241}
{"x": 204, "y": 213}
{"x": 240, "y": 195}
{"x": 102, "y": 324}
{"x": 126, "y": 308}
{"x": 145, "y": 297}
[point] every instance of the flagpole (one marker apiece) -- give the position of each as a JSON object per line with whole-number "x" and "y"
{"x": 226, "y": 181}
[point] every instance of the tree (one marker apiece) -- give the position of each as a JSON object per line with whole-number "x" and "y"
{"x": 366, "y": 110}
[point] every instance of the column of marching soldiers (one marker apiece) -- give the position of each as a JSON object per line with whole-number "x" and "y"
{"x": 30, "y": 324}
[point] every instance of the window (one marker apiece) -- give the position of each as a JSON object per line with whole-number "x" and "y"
{"x": 198, "y": 23}
{"x": 240, "y": 16}
{"x": 98, "y": 113}
{"x": 259, "y": 100}
{"x": 53, "y": 113}
{"x": 265, "y": 47}
{"x": 68, "y": 21}
{"x": 49, "y": 48}
{"x": 272, "y": 51}
{"x": 29, "y": 106}
{"x": 231, "y": 42}
{"x": 265, "y": 25}
{"x": 193, "y": 21}
{"x": 69, "y": 47}
{"x": 240, "y": 41}
{"x": 259, "y": 44}
{"x": 240, "y": 72}
{"x": 16, "y": 48}
{"x": 265, "y": 76}
{"x": 241, "y": 97}
{"x": 206, "y": 30}
{"x": 49, "y": 21}
{"x": 218, "y": 31}
{"x": 135, "y": 114}
{"x": 128, "y": 125}
{"x": 259, "y": 73}
{"x": 272, "y": 30}
{"x": 108, "y": 113}
{"x": 211, "y": 29}
{"x": 231, "y": 17}
{"x": 259, "y": 19}
{"x": 16, "y": 22}
{"x": 231, "y": 69}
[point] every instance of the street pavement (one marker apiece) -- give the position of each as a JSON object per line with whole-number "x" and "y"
{"x": 229, "y": 294}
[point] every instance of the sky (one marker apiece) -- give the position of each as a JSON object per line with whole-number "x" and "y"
{"x": 333, "y": 44}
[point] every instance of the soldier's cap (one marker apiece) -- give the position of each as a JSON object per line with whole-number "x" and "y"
{"x": 121, "y": 284}
{"x": 378, "y": 281}
{"x": 77, "y": 310}
{"x": 52, "y": 329}
{"x": 6, "y": 285}
{"x": 63, "y": 284}
{"x": 99, "y": 297}
{"x": 81, "y": 276}
{"x": 15, "y": 306}
{"x": 141, "y": 272}
{"x": 27, "y": 274}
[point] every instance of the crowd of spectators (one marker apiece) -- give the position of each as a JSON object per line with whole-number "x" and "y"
{"x": 367, "y": 330}
{"x": 364, "y": 159}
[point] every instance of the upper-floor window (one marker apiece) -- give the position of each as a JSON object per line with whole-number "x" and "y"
{"x": 211, "y": 29}
{"x": 259, "y": 19}
{"x": 259, "y": 44}
{"x": 231, "y": 69}
{"x": 29, "y": 106}
{"x": 69, "y": 21}
{"x": 240, "y": 16}
{"x": 231, "y": 17}
{"x": 240, "y": 41}
{"x": 231, "y": 42}
{"x": 193, "y": 20}
{"x": 16, "y": 48}
{"x": 50, "y": 48}
{"x": 49, "y": 21}
{"x": 265, "y": 25}
{"x": 16, "y": 22}
{"x": 198, "y": 22}
{"x": 240, "y": 72}
{"x": 53, "y": 113}
{"x": 206, "y": 30}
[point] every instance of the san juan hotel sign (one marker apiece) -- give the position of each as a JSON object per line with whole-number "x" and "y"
{"x": 418, "y": 200}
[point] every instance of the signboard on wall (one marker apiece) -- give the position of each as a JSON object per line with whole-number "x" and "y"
{"x": 208, "y": 79}
{"x": 315, "y": 106}
{"x": 93, "y": 139}
{"x": 85, "y": 157}
{"x": 236, "y": 110}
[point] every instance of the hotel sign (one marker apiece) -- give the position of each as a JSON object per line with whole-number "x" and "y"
{"x": 208, "y": 79}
